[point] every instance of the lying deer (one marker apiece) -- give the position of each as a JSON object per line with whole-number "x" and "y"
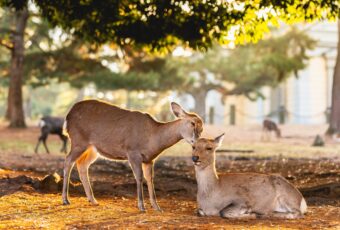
{"x": 51, "y": 125}
{"x": 101, "y": 129}
{"x": 237, "y": 195}
{"x": 270, "y": 126}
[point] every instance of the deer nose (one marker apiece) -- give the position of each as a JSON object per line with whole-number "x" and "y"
{"x": 195, "y": 158}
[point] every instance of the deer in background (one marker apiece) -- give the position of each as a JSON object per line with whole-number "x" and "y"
{"x": 101, "y": 129}
{"x": 269, "y": 126}
{"x": 237, "y": 195}
{"x": 51, "y": 125}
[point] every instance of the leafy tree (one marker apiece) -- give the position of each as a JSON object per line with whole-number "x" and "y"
{"x": 68, "y": 64}
{"x": 158, "y": 24}
{"x": 162, "y": 24}
{"x": 245, "y": 69}
{"x": 16, "y": 39}
{"x": 13, "y": 40}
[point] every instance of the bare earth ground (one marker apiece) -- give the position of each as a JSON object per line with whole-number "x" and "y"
{"x": 27, "y": 201}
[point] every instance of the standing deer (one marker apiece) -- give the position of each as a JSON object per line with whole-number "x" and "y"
{"x": 237, "y": 195}
{"x": 97, "y": 128}
{"x": 51, "y": 125}
{"x": 269, "y": 126}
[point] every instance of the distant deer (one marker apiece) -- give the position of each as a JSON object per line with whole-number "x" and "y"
{"x": 270, "y": 126}
{"x": 51, "y": 125}
{"x": 237, "y": 195}
{"x": 101, "y": 129}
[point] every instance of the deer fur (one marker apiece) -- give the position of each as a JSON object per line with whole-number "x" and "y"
{"x": 239, "y": 195}
{"x": 270, "y": 126}
{"x": 101, "y": 129}
{"x": 51, "y": 125}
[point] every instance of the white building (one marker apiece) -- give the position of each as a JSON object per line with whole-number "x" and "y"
{"x": 306, "y": 98}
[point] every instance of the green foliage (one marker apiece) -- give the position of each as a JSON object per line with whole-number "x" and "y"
{"x": 14, "y": 4}
{"x": 162, "y": 24}
{"x": 268, "y": 62}
{"x": 69, "y": 65}
{"x": 46, "y": 62}
{"x": 36, "y": 36}
{"x": 247, "y": 68}
{"x": 155, "y": 23}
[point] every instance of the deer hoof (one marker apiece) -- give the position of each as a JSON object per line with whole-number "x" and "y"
{"x": 66, "y": 202}
{"x": 157, "y": 208}
{"x": 200, "y": 212}
{"x": 94, "y": 202}
{"x": 142, "y": 209}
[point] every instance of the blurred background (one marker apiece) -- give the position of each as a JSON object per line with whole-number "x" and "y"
{"x": 234, "y": 63}
{"x": 284, "y": 74}
{"x": 287, "y": 76}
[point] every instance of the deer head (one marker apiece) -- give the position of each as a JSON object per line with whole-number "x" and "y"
{"x": 203, "y": 151}
{"x": 191, "y": 124}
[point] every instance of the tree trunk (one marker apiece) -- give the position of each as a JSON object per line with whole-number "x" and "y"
{"x": 334, "y": 126}
{"x": 8, "y": 110}
{"x": 200, "y": 103}
{"x": 15, "y": 111}
{"x": 28, "y": 104}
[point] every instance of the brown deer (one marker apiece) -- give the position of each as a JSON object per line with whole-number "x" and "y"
{"x": 101, "y": 129}
{"x": 270, "y": 126}
{"x": 237, "y": 195}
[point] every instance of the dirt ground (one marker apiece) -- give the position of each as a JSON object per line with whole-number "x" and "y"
{"x": 28, "y": 201}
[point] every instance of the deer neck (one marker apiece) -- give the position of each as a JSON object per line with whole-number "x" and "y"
{"x": 206, "y": 178}
{"x": 168, "y": 134}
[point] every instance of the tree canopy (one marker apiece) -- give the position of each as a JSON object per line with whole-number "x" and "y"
{"x": 152, "y": 25}
{"x": 161, "y": 24}
{"x": 51, "y": 60}
{"x": 68, "y": 64}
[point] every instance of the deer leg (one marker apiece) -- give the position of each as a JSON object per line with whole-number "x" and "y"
{"x": 37, "y": 146}
{"x": 286, "y": 209}
{"x": 68, "y": 165}
{"x": 83, "y": 164}
{"x": 136, "y": 166}
{"x": 200, "y": 212}
{"x": 149, "y": 175}
{"x": 64, "y": 139}
{"x": 237, "y": 211}
{"x": 44, "y": 138}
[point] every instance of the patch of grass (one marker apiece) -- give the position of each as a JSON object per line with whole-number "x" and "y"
{"x": 23, "y": 146}
{"x": 284, "y": 150}
{"x": 263, "y": 149}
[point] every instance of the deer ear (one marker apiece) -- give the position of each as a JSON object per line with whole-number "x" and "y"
{"x": 218, "y": 140}
{"x": 177, "y": 110}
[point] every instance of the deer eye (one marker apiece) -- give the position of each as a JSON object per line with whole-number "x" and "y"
{"x": 193, "y": 147}
{"x": 193, "y": 123}
{"x": 209, "y": 148}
